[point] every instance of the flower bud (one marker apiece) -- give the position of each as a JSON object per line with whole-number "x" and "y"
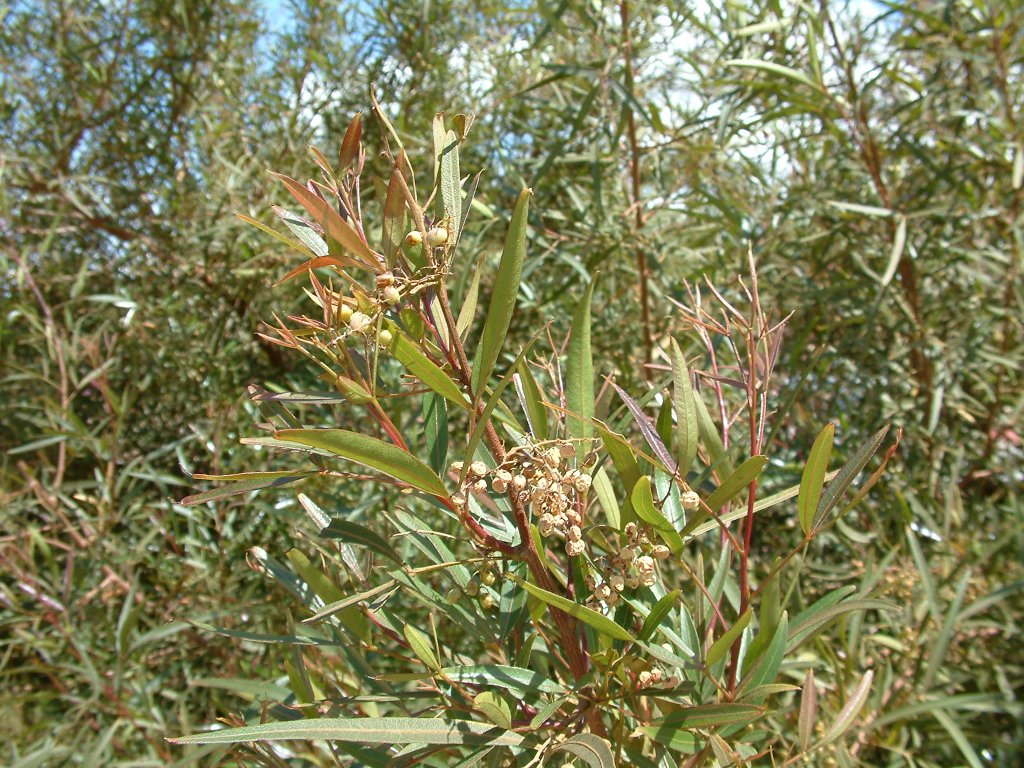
{"x": 359, "y": 322}
{"x": 436, "y": 237}
{"x": 391, "y": 295}
{"x": 385, "y": 337}
{"x": 690, "y": 501}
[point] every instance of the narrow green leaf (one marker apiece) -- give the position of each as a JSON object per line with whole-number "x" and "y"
{"x": 419, "y": 642}
{"x": 360, "y": 535}
{"x": 361, "y": 597}
{"x": 849, "y": 472}
{"x": 959, "y": 738}
{"x": 648, "y": 430}
{"x": 547, "y": 711}
{"x": 370, "y": 452}
{"x": 451, "y": 184}
{"x": 363, "y": 730}
{"x": 306, "y": 234}
{"x": 674, "y": 738}
{"x": 738, "y": 481}
{"x": 300, "y": 247}
{"x": 533, "y": 402}
{"x": 606, "y": 497}
{"x": 808, "y": 710}
{"x": 721, "y": 646}
{"x": 504, "y": 294}
{"x": 661, "y": 609}
{"x": 579, "y": 371}
{"x": 710, "y": 438}
{"x": 854, "y": 702}
{"x": 494, "y": 707}
{"x": 322, "y": 586}
{"x": 468, "y": 309}
{"x": 408, "y": 353}
{"x": 591, "y": 749}
{"x": 814, "y": 477}
{"x": 766, "y": 668}
{"x": 601, "y": 623}
{"x": 773, "y": 68}
{"x": 686, "y": 411}
{"x": 710, "y": 716}
{"x": 643, "y": 504}
{"x": 435, "y": 426}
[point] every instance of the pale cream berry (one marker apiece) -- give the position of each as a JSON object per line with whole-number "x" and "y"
{"x": 504, "y": 475}
{"x": 552, "y": 457}
{"x": 690, "y": 501}
{"x": 602, "y": 592}
{"x": 648, "y": 579}
{"x": 345, "y": 313}
{"x": 574, "y": 548}
{"x": 632, "y": 581}
{"x": 488, "y": 577}
{"x": 574, "y": 533}
{"x": 486, "y": 601}
{"x": 473, "y": 588}
{"x": 582, "y": 483}
{"x": 498, "y": 485}
{"x": 385, "y": 337}
{"x": 617, "y": 582}
{"x": 478, "y": 468}
{"x": 391, "y": 295}
{"x": 573, "y": 517}
{"x": 480, "y": 486}
{"x": 645, "y": 564}
{"x": 613, "y": 599}
{"x": 359, "y": 322}
{"x": 385, "y": 279}
{"x": 644, "y": 679}
{"x": 459, "y": 500}
{"x": 546, "y": 524}
{"x": 414, "y": 238}
{"x": 626, "y": 554}
{"x": 519, "y": 482}
{"x": 631, "y": 530}
{"x": 436, "y": 237}
{"x": 661, "y": 552}
{"x": 457, "y": 467}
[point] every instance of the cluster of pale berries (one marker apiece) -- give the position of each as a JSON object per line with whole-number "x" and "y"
{"x": 540, "y": 475}
{"x": 629, "y": 568}
{"x": 389, "y": 289}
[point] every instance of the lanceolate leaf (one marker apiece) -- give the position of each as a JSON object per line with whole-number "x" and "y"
{"x": 850, "y": 710}
{"x": 647, "y": 429}
{"x": 736, "y": 482}
{"x": 364, "y": 730}
{"x": 721, "y": 646}
{"x": 660, "y": 610}
{"x": 333, "y": 225}
{"x": 515, "y": 679}
{"x": 579, "y": 371}
{"x": 814, "y": 477}
{"x": 266, "y": 480}
{"x": 853, "y": 467}
{"x": 408, "y": 353}
{"x": 601, "y": 623}
{"x": 532, "y": 401}
{"x": 370, "y": 452}
{"x": 419, "y": 642}
{"x": 710, "y": 716}
{"x": 361, "y": 536}
{"x": 643, "y": 504}
{"x": 503, "y": 296}
{"x": 451, "y": 184}
{"x": 468, "y": 309}
{"x": 591, "y": 749}
{"x": 686, "y": 411}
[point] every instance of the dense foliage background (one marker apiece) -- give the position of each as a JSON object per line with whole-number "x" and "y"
{"x": 871, "y": 157}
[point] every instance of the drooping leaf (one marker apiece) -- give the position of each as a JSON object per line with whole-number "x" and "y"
{"x": 260, "y": 481}
{"x": 808, "y": 710}
{"x": 370, "y": 452}
{"x": 648, "y": 430}
{"x": 363, "y": 730}
{"x": 361, "y": 536}
{"x": 591, "y": 749}
{"x": 848, "y": 714}
{"x": 504, "y": 293}
{"x": 468, "y": 309}
{"x": 533, "y": 402}
{"x": 848, "y": 473}
{"x": 494, "y": 707}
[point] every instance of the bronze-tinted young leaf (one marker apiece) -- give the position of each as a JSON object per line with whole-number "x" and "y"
{"x": 648, "y": 430}
{"x": 317, "y": 263}
{"x": 814, "y": 477}
{"x": 333, "y": 225}
{"x": 364, "y": 730}
{"x": 349, "y": 150}
{"x": 370, "y": 452}
{"x": 504, "y": 294}
{"x": 392, "y": 231}
{"x": 579, "y": 371}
